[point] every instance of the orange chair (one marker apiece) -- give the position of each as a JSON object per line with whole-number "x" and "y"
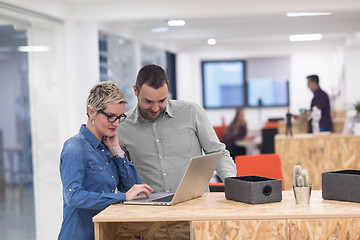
{"x": 216, "y": 187}
{"x": 264, "y": 165}
{"x": 271, "y": 125}
{"x": 220, "y": 132}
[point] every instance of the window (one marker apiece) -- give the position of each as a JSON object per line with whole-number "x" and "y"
{"x": 223, "y": 83}
{"x": 268, "y": 92}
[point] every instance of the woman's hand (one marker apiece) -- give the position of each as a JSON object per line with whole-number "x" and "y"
{"x": 113, "y": 144}
{"x": 137, "y": 189}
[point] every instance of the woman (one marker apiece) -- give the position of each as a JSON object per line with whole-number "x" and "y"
{"x": 236, "y": 131}
{"x": 94, "y": 169}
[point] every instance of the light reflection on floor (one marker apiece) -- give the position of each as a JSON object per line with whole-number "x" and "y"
{"x": 17, "y": 214}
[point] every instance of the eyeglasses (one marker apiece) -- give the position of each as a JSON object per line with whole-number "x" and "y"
{"x": 112, "y": 118}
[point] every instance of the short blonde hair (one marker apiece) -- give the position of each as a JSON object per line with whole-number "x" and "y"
{"x": 102, "y": 94}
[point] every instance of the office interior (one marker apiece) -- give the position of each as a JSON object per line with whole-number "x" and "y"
{"x": 44, "y": 89}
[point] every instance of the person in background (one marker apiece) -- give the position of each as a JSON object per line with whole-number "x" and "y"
{"x": 320, "y": 100}
{"x": 94, "y": 170}
{"x": 161, "y": 136}
{"x": 237, "y": 131}
{"x": 289, "y": 117}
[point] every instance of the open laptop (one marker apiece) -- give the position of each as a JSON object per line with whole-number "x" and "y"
{"x": 192, "y": 185}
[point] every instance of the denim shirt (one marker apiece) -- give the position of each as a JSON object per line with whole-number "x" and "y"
{"x": 90, "y": 177}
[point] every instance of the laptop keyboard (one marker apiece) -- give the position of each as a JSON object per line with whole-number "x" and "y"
{"x": 163, "y": 199}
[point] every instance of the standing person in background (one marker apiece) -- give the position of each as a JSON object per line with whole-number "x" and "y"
{"x": 161, "y": 136}
{"x": 236, "y": 131}
{"x": 320, "y": 100}
{"x": 94, "y": 170}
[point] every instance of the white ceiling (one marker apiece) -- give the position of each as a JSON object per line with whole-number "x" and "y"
{"x": 237, "y": 24}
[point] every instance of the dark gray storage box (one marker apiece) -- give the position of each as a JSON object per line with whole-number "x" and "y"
{"x": 253, "y": 189}
{"x": 343, "y": 185}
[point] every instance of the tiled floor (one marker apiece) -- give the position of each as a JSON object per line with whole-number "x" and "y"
{"x": 17, "y": 214}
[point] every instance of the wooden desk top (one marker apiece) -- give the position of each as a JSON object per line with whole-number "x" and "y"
{"x": 315, "y": 136}
{"x": 214, "y": 206}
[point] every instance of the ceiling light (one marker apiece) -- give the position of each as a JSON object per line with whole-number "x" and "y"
{"x": 176, "y": 23}
{"x": 305, "y": 37}
{"x": 306, "y": 14}
{"x": 33, "y": 48}
{"x": 211, "y": 41}
{"x": 159, "y": 30}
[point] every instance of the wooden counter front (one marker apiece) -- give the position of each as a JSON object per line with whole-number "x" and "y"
{"x": 317, "y": 154}
{"x": 214, "y": 217}
{"x": 302, "y": 126}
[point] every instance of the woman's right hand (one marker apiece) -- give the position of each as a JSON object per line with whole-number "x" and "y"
{"x": 137, "y": 189}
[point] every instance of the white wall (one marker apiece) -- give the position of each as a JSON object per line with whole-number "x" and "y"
{"x": 325, "y": 63}
{"x": 352, "y": 75}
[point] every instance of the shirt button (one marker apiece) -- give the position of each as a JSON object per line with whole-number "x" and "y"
{"x": 112, "y": 190}
{"x": 107, "y": 163}
{"x": 164, "y": 174}
{"x": 112, "y": 176}
{"x": 100, "y": 168}
{"x": 70, "y": 189}
{"x": 102, "y": 150}
{"x": 167, "y": 191}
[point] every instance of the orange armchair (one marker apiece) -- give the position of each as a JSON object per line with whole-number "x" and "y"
{"x": 220, "y": 132}
{"x": 264, "y": 165}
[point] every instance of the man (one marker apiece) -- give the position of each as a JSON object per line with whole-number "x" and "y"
{"x": 320, "y": 100}
{"x": 160, "y": 136}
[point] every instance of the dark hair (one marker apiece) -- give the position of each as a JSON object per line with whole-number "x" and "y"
{"x": 153, "y": 75}
{"x": 313, "y": 78}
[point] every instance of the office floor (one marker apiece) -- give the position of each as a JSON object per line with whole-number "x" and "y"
{"x": 17, "y": 214}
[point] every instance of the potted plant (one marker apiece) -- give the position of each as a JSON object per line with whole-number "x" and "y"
{"x": 301, "y": 187}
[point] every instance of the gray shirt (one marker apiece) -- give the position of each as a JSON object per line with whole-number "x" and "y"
{"x": 162, "y": 149}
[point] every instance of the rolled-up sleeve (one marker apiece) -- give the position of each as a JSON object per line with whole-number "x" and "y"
{"x": 72, "y": 172}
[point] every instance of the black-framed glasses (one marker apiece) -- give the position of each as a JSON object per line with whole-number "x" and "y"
{"x": 112, "y": 118}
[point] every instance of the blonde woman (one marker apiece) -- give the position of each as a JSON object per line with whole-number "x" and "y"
{"x": 95, "y": 172}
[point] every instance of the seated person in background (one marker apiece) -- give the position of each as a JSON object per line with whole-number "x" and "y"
{"x": 236, "y": 131}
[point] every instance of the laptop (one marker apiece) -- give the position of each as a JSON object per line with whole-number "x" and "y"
{"x": 192, "y": 185}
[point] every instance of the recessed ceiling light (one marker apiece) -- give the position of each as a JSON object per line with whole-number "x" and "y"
{"x": 305, "y": 37}
{"x": 159, "y": 30}
{"x": 33, "y": 48}
{"x": 176, "y": 23}
{"x": 306, "y": 14}
{"x": 211, "y": 41}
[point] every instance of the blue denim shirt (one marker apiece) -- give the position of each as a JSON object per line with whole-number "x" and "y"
{"x": 90, "y": 175}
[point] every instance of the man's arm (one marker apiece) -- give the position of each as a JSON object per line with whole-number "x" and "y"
{"x": 211, "y": 144}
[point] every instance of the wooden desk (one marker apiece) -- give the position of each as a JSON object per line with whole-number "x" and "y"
{"x": 251, "y": 146}
{"x": 317, "y": 154}
{"x": 214, "y": 217}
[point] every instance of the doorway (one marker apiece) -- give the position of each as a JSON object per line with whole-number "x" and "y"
{"x": 17, "y": 214}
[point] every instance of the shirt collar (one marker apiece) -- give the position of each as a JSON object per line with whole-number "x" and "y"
{"x": 167, "y": 112}
{"x": 94, "y": 142}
